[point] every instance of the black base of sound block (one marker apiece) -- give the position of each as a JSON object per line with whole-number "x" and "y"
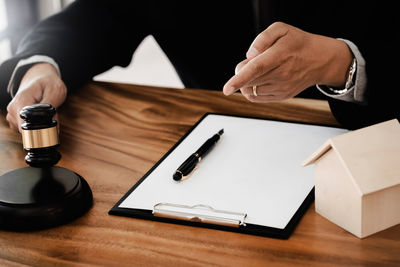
{"x": 38, "y": 198}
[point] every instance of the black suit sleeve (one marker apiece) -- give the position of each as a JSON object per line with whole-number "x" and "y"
{"x": 374, "y": 35}
{"x": 85, "y": 39}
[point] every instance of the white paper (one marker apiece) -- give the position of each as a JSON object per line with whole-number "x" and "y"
{"x": 255, "y": 168}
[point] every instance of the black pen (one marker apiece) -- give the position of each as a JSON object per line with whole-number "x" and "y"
{"x": 190, "y": 164}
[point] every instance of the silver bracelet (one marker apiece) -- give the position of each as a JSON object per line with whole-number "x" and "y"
{"x": 349, "y": 81}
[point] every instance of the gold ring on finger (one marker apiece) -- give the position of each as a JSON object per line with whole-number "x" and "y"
{"x": 255, "y": 90}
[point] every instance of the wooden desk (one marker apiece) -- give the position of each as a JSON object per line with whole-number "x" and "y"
{"x": 112, "y": 134}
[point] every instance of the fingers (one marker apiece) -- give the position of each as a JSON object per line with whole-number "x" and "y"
{"x": 15, "y": 106}
{"x": 55, "y": 95}
{"x": 50, "y": 94}
{"x": 41, "y": 84}
{"x": 264, "y": 98}
{"x": 262, "y": 90}
{"x": 265, "y": 93}
{"x": 240, "y": 65}
{"x": 266, "y": 39}
{"x": 282, "y": 61}
{"x": 256, "y": 67}
{"x": 11, "y": 120}
{"x": 262, "y": 57}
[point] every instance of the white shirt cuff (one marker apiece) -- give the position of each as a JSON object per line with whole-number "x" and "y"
{"x": 16, "y": 76}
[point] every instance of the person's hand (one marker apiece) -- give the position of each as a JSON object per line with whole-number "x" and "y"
{"x": 40, "y": 84}
{"x": 283, "y": 61}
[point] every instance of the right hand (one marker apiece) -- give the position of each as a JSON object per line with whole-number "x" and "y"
{"x": 284, "y": 60}
{"x": 40, "y": 84}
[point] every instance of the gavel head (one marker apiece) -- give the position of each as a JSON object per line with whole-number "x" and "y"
{"x": 40, "y": 135}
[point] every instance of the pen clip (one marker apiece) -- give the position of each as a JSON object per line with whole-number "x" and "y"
{"x": 184, "y": 177}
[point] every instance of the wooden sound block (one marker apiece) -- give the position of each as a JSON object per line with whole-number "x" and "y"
{"x": 37, "y": 198}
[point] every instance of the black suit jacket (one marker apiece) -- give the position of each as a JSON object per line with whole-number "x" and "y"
{"x": 206, "y": 39}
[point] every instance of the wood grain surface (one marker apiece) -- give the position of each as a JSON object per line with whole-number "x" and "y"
{"x": 112, "y": 134}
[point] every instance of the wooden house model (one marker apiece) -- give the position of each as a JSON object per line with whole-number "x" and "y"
{"x": 357, "y": 179}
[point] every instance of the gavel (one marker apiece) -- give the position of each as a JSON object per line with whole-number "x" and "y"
{"x": 40, "y": 135}
{"x": 41, "y": 195}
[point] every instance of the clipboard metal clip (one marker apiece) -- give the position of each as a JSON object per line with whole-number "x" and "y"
{"x": 200, "y": 213}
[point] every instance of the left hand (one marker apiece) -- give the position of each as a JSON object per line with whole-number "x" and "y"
{"x": 283, "y": 61}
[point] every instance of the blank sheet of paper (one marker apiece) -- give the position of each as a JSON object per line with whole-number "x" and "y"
{"x": 255, "y": 168}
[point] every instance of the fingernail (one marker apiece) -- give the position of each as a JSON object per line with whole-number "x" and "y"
{"x": 230, "y": 90}
{"x": 252, "y": 52}
{"x": 236, "y": 69}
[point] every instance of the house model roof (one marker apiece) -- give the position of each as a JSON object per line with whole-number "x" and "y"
{"x": 371, "y": 155}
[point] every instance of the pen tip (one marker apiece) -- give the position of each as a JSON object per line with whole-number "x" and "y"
{"x": 221, "y": 131}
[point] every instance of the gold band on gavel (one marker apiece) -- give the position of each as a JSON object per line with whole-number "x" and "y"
{"x": 40, "y": 138}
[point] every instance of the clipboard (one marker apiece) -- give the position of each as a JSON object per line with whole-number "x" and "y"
{"x": 267, "y": 196}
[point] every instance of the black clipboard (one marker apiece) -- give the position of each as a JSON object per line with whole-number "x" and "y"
{"x": 190, "y": 218}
